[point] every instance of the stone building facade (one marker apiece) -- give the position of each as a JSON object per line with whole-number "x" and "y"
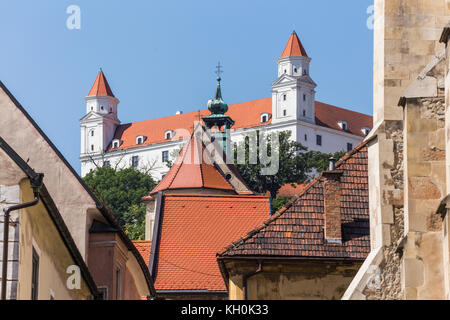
{"x": 407, "y": 155}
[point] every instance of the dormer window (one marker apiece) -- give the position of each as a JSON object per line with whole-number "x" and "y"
{"x": 168, "y": 134}
{"x": 264, "y": 117}
{"x": 116, "y": 143}
{"x": 365, "y": 130}
{"x": 139, "y": 140}
{"x": 343, "y": 125}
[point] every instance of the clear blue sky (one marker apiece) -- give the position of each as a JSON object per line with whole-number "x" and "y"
{"x": 160, "y": 56}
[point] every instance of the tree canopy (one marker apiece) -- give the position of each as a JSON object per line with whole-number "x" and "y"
{"x": 121, "y": 191}
{"x": 296, "y": 164}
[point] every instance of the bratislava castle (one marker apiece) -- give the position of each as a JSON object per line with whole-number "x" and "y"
{"x": 148, "y": 144}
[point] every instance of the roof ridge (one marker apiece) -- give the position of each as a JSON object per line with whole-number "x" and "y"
{"x": 288, "y": 205}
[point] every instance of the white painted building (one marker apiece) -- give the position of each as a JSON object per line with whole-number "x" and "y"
{"x": 148, "y": 144}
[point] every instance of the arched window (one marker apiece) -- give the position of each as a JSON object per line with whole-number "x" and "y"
{"x": 264, "y": 117}
{"x": 140, "y": 139}
{"x": 343, "y": 125}
{"x": 115, "y": 143}
{"x": 168, "y": 134}
{"x": 365, "y": 130}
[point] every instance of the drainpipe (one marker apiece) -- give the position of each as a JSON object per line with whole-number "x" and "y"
{"x": 246, "y": 276}
{"x": 36, "y": 183}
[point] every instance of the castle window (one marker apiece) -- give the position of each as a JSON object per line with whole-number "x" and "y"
{"x": 304, "y": 97}
{"x": 165, "y": 156}
{"x": 343, "y": 125}
{"x": 264, "y": 117}
{"x": 92, "y": 133}
{"x": 349, "y": 147}
{"x": 285, "y": 70}
{"x": 168, "y": 134}
{"x": 107, "y": 164}
{"x": 365, "y": 130}
{"x": 295, "y": 70}
{"x": 304, "y": 72}
{"x": 139, "y": 140}
{"x": 92, "y": 147}
{"x": 102, "y": 108}
{"x": 319, "y": 140}
{"x": 284, "y": 97}
{"x": 304, "y": 113}
{"x": 306, "y": 137}
{"x": 116, "y": 143}
{"x": 284, "y": 113}
{"x": 135, "y": 161}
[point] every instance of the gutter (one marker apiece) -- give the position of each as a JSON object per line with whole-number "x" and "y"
{"x": 36, "y": 184}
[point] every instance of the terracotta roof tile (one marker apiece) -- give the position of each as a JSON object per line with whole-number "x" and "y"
{"x": 193, "y": 169}
{"x": 144, "y": 247}
{"x": 101, "y": 86}
{"x": 193, "y": 229}
{"x": 297, "y": 230}
{"x": 294, "y": 47}
{"x": 245, "y": 115}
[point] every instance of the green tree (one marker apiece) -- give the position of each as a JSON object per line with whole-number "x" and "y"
{"x": 292, "y": 164}
{"x": 121, "y": 191}
{"x": 296, "y": 165}
{"x": 320, "y": 161}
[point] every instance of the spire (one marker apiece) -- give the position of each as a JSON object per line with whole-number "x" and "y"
{"x": 101, "y": 86}
{"x": 294, "y": 47}
{"x": 218, "y": 106}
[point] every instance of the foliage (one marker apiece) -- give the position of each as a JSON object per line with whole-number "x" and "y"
{"x": 122, "y": 190}
{"x": 320, "y": 161}
{"x": 173, "y": 155}
{"x": 292, "y": 164}
{"x": 296, "y": 165}
{"x": 277, "y": 203}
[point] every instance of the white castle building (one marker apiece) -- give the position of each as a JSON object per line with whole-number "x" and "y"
{"x": 147, "y": 145}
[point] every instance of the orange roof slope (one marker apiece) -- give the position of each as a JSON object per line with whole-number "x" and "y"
{"x": 294, "y": 47}
{"x": 194, "y": 228}
{"x": 245, "y": 115}
{"x": 101, "y": 86}
{"x": 144, "y": 247}
{"x": 192, "y": 170}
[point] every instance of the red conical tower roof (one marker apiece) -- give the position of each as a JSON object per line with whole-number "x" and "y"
{"x": 194, "y": 169}
{"x": 294, "y": 47}
{"x": 101, "y": 86}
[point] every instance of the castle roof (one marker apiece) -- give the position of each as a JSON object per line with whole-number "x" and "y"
{"x": 297, "y": 230}
{"x": 101, "y": 86}
{"x": 294, "y": 47}
{"x": 192, "y": 229}
{"x": 245, "y": 115}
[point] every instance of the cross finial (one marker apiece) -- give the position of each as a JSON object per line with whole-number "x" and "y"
{"x": 219, "y": 71}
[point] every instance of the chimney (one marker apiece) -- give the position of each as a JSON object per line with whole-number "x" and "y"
{"x": 332, "y": 204}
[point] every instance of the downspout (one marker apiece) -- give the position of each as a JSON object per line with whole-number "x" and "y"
{"x": 246, "y": 276}
{"x": 36, "y": 183}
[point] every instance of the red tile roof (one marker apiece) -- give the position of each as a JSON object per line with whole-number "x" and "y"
{"x": 297, "y": 230}
{"x": 291, "y": 189}
{"x": 245, "y": 115}
{"x": 294, "y": 47}
{"x": 193, "y": 169}
{"x": 144, "y": 247}
{"x": 101, "y": 86}
{"x": 193, "y": 229}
